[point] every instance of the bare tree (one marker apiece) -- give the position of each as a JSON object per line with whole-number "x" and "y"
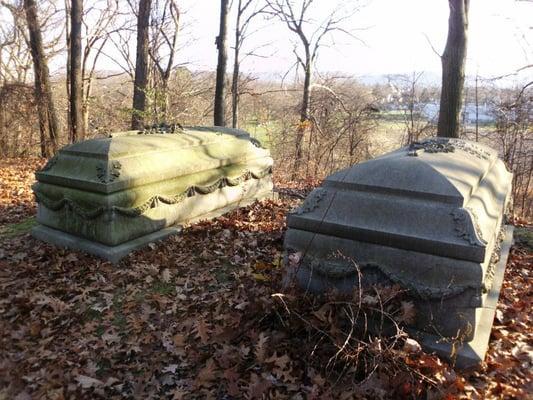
{"x": 220, "y": 86}
{"x": 513, "y": 112}
{"x": 141, "y": 65}
{"x": 76, "y": 131}
{"x": 121, "y": 55}
{"x": 162, "y": 49}
{"x": 96, "y": 36}
{"x": 453, "y": 70}
{"x": 412, "y": 98}
{"x": 295, "y": 16}
{"x": 48, "y": 122}
{"x": 242, "y": 25}
{"x": 15, "y": 59}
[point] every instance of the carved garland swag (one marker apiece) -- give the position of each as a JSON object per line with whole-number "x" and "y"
{"x": 152, "y": 202}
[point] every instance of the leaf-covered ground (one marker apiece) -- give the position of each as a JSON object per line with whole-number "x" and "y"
{"x": 203, "y": 315}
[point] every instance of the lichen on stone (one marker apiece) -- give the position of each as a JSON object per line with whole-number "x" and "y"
{"x": 152, "y": 202}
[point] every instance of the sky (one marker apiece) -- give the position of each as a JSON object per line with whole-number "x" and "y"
{"x": 391, "y": 37}
{"x": 395, "y": 37}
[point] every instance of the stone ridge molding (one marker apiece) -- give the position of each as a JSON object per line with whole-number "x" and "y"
{"x": 494, "y": 259}
{"x": 153, "y": 202}
{"x": 446, "y": 145}
{"x": 462, "y": 226}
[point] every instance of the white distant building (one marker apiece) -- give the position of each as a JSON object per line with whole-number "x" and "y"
{"x": 431, "y": 110}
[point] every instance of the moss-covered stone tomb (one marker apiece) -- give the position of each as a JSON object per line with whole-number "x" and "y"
{"x": 112, "y": 195}
{"x": 429, "y": 217}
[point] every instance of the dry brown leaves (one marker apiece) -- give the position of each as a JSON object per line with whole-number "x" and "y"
{"x": 16, "y": 197}
{"x": 202, "y": 315}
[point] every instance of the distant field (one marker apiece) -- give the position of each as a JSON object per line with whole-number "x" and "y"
{"x": 387, "y": 136}
{"x": 264, "y": 132}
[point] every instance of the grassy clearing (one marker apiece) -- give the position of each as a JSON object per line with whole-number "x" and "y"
{"x": 263, "y": 132}
{"x": 16, "y": 229}
{"x": 524, "y": 236}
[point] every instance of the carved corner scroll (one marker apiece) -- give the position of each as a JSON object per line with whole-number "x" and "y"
{"x": 107, "y": 173}
{"x": 256, "y": 143}
{"x": 461, "y": 218}
{"x": 312, "y": 202}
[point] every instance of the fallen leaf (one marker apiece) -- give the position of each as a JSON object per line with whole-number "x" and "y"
{"x": 260, "y": 347}
{"x": 87, "y": 382}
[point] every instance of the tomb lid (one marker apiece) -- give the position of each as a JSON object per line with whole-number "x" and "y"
{"x": 441, "y": 196}
{"x": 134, "y": 158}
{"x": 438, "y": 169}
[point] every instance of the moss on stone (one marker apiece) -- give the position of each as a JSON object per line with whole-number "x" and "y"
{"x": 16, "y": 229}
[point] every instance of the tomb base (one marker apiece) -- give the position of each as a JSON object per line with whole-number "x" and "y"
{"x": 109, "y": 253}
{"x": 472, "y": 353}
{"x": 115, "y": 253}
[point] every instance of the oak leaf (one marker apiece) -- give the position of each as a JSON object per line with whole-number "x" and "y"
{"x": 202, "y": 331}
{"x": 261, "y": 347}
{"x": 207, "y": 374}
{"x": 87, "y": 382}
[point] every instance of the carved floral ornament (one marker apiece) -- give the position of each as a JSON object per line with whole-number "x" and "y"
{"x": 162, "y": 128}
{"x": 446, "y": 145}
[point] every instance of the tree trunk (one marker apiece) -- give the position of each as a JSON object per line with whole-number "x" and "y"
{"x": 304, "y": 115}
{"x": 165, "y": 99}
{"x": 76, "y": 114}
{"x": 477, "y": 110}
{"x": 220, "y": 88}
{"x": 67, "y": 69}
{"x": 87, "y": 89}
{"x": 48, "y": 123}
{"x": 235, "y": 93}
{"x": 453, "y": 70}
{"x": 141, "y": 65}
{"x": 236, "y": 67}
{"x": 4, "y": 149}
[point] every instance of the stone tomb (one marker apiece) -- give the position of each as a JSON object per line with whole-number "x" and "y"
{"x": 429, "y": 217}
{"x": 110, "y": 196}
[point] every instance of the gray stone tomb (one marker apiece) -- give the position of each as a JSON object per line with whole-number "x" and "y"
{"x": 429, "y": 217}
{"x": 110, "y": 196}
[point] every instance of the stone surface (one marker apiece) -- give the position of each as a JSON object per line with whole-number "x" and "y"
{"x": 471, "y": 353}
{"x": 428, "y": 217}
{"x": 118, "y": 189}
{"x": 110, "y": 253}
